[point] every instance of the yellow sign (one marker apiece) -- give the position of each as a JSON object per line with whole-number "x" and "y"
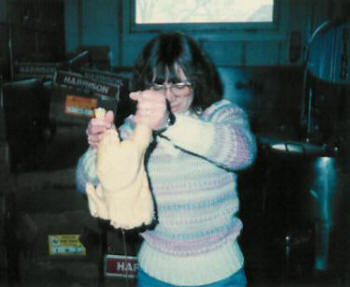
{"x": 66, "y": 244}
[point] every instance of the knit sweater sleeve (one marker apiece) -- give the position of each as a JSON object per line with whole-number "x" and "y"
{"x": 86, "y": 170}
{"x": 221, "y": 135}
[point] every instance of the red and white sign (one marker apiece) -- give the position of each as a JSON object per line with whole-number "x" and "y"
{"x": 120, "y": 266}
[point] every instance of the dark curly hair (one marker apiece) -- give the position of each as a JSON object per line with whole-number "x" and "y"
{"x": 162, "y": 56}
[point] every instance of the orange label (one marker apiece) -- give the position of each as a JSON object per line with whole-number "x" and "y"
{"x": 80, "y": 106}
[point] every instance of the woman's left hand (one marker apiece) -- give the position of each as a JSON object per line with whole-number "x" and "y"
{"x": 151, "y": 109}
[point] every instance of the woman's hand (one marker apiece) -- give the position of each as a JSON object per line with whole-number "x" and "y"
{"x": 151, "y": 109}
{"x": 97, "y": 127}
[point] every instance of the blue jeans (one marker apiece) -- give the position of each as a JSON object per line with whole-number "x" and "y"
{"x": 237, "y": 279}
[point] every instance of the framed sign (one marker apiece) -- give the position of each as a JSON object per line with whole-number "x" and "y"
{"x": 80, "y": 106}
{"x": 65, "y": 244}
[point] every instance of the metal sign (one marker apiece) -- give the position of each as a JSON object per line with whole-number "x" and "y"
{"x": 120, "y": 266}
{"x": 65, "y": 244}
{"x": 103, "y": 76}
{"x": 36, "y": 70}
{"x": 77, "y": 81}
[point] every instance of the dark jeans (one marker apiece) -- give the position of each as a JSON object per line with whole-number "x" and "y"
{"x": 237, "y": 279}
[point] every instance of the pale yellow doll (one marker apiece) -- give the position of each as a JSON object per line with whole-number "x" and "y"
{"x": 123, "y": 195}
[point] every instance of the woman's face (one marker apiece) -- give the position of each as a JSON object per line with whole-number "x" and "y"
{"x": 179, "y": 95}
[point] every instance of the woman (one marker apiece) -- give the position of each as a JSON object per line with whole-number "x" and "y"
{"x": 200, "y": 141}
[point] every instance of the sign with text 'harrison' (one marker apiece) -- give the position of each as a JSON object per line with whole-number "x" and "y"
{"x": 77, "y": 81}
{"x": 33, "y": 70}
{"x": 120, "y": 266}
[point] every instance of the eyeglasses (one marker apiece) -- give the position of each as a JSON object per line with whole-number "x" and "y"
{"x": 178, "y": 89}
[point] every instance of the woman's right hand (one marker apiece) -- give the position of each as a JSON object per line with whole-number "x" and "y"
{"x": 97, "y": 127}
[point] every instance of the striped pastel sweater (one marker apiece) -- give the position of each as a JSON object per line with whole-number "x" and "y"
{"x": 191, "y": 172}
